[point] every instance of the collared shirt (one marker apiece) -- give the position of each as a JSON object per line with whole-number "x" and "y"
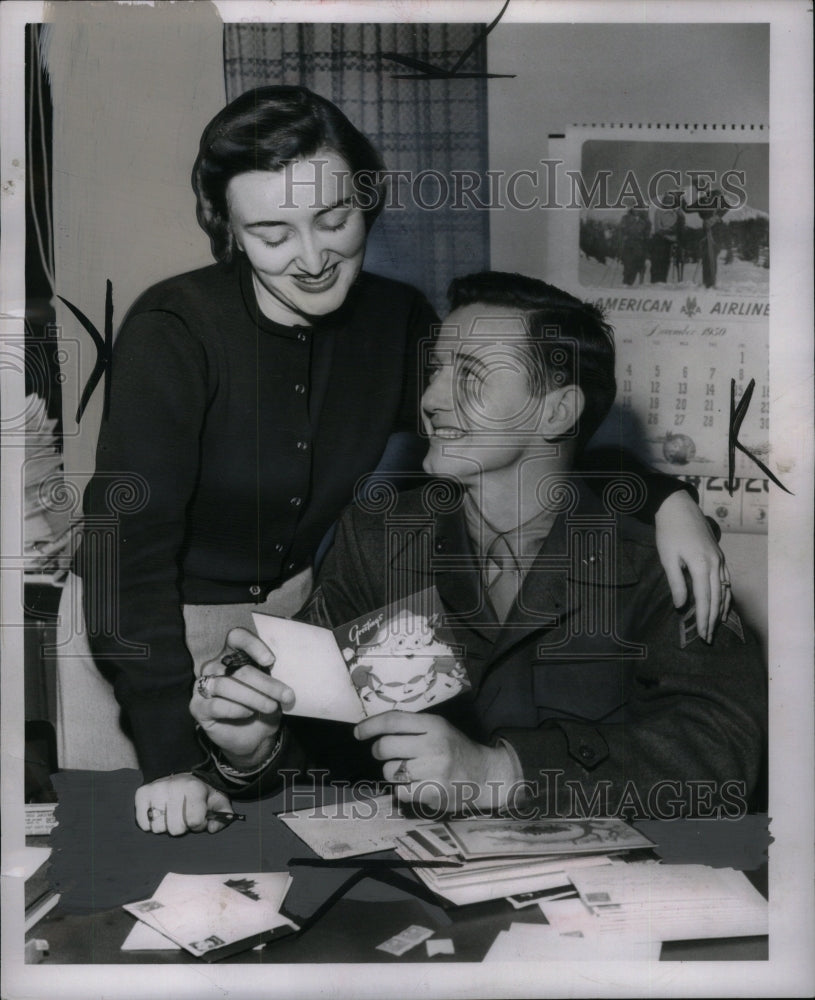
{"x": 506, "y": 556}
{"x": 505, "y": 559}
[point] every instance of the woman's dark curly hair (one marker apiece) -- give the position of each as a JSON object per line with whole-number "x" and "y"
{"x": 266, "y": 129}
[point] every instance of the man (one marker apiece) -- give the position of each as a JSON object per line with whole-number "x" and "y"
{"x": 635, "y": 230}
{"x": 711, "y": 208}
{"x": 589, "y": 691}
{"x": 666, "y": 241}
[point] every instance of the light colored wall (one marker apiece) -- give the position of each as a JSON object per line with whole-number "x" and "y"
{"x": 132, "y": 87}
{"x": 747, "y": 561}
{"x": 576, "y": 74}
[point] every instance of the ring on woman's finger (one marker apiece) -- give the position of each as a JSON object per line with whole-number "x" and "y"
{"x": 402, "y": 773}
{"x": 726, "y": 584}
{"x": 153, "y": 812}
{"x": 203, "y": 685}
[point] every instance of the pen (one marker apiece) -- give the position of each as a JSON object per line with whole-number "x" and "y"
{"x": 227, "y": 817}
{"x": 234, "y": 661}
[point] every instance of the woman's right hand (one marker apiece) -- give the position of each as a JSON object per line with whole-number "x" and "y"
{"x": 241, "y": 712}
{"x": 178, "y": 804}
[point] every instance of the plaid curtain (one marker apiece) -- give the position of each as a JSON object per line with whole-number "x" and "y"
{"x": 418, "y": 125}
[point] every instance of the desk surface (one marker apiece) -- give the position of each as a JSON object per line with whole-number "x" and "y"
{"x": 349, "y": 932}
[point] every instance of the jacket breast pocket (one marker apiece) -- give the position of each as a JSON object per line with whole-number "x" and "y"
{"x": 591, "y": 691}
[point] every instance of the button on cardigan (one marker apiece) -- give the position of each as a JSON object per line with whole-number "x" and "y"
{"x": 248, "y": 438}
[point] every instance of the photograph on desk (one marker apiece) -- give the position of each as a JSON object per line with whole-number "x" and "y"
{"x": 407, "y": 498}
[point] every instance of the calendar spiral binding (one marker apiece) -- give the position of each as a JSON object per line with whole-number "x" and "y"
{"x": 675, "y": 127}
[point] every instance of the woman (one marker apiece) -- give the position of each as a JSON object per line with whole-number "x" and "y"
{"x": 250, "y": 396}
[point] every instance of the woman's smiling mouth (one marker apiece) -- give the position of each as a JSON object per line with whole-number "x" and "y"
{"x": 320, "y": 282}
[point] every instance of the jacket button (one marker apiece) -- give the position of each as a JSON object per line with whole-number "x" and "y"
{"x": 296, "y": 501}
{"x": 299, "y": 388}
{"x": 254, "y": 590}
{"x": 302, "y": 445}
{"x": 301, "y": 336}
{"x": 278, "y": 547}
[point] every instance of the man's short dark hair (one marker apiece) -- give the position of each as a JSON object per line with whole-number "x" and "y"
{"x": 266, "y": 129}
{"x": 583, "y": 340}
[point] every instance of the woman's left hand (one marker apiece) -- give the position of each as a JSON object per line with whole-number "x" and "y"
{"x": 436, "y": 765}
{"x": 685, "y": 541}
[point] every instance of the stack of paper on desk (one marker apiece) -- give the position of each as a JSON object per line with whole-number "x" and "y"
{"x": 27, "y": 863}
{"x": 627, "y": 910}
{"x": 212, "y": 916}
{"x": 536, "y": 942}
{"x": 672, "y": 902}
{"x": 500, "y": 858}
{"x": 353, "y": 827}
{"x": 496, "y": 838}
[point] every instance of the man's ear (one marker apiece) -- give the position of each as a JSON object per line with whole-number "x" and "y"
{"x": 562, "y": 410}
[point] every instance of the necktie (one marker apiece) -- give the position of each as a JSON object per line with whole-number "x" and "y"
{"x": 503, "y": 577}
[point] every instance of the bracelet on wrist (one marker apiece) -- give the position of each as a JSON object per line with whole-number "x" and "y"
{"x": 241, "y": 775}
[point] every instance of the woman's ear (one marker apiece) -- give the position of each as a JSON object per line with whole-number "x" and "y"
{"x": 563, "y": 408}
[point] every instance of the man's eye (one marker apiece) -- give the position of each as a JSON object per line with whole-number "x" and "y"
{"x": 468, "y": 376}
